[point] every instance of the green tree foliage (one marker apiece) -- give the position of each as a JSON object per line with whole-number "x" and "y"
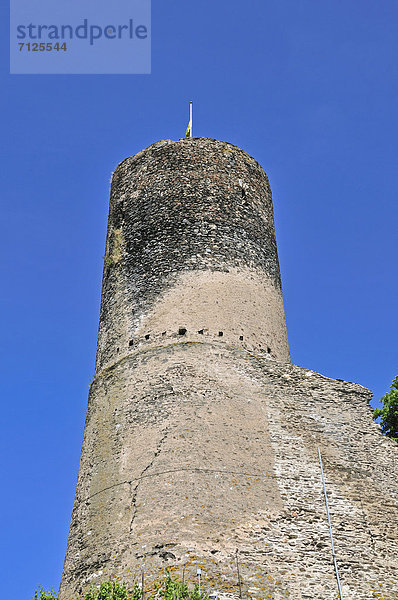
{"x": 389, "y": 412}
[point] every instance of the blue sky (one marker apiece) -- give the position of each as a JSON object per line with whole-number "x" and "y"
{"x": 310, "y": 90}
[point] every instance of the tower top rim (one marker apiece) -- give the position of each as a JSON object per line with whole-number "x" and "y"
{"x": 193, "y": 140}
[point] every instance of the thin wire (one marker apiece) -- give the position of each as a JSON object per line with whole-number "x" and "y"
{"x": 330, "y": 527}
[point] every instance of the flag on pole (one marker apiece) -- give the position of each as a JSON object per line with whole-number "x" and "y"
{"x": 189, "y": 128}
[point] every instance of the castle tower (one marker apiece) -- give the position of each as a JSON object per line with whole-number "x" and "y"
{"x": 200, "y": 444}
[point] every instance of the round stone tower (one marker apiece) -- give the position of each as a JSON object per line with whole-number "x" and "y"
{"x": 200, "y": 444}
{"x": 191, "y": 270}
{"x": 191, "y": 252}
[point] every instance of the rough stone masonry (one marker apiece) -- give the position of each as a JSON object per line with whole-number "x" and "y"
{"x": 200, "y": 444}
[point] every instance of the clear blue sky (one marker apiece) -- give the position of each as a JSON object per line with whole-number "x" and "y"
{"x": 309, "y": 89}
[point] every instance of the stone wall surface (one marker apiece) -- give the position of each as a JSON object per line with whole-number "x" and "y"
{"x": 194, "y": 452}
{"x": 200, "y": 444}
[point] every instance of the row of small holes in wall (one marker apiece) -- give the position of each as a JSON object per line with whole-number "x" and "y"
{"x": 182, "y": 331}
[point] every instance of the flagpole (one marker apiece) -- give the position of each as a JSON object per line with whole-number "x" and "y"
{"x": 190, "y": 116}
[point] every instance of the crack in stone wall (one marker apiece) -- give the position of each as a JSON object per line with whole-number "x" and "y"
{"x": 143, "y": 475}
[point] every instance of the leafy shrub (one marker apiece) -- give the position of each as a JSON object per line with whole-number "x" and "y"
{"x": 41, "y": 594}
{"x": 172, "y": 589}
{"x": 167, "y": 589}
{"x": 109, "y": 590}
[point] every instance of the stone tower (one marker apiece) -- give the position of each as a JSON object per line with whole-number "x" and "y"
{"x": 200, "y": 444}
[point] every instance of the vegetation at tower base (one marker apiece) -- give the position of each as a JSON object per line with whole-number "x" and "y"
{"x": 42, "y": 594}
{"x": 166, "y": 589}
{"x": 389, "y": 412}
